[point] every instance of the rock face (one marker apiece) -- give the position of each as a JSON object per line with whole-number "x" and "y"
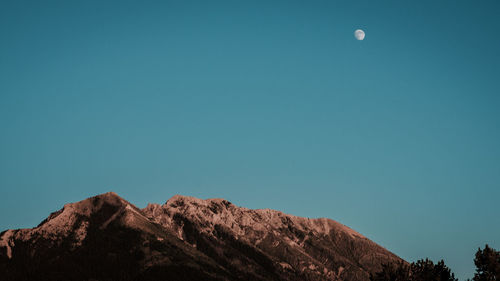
{"x": 107, "y": 238}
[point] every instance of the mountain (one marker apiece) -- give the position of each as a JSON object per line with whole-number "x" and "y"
{"x": 107, "y": 238}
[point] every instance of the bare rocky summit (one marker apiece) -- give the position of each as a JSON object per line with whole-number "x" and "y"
{"x": 107, "y": 238}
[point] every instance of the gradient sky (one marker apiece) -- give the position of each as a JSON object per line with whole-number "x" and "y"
{"x": 269, "y": 104}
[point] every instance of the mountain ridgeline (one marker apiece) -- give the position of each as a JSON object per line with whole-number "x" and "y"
{"x": 107, "y": 238}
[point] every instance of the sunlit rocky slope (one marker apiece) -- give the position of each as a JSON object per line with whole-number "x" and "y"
{"x": 107, "y": 238}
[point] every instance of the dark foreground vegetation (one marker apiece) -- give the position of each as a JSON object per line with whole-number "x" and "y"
{"x": 487, "y": 263}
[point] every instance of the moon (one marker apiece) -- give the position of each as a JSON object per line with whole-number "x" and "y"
{"x": 359, "y": 34}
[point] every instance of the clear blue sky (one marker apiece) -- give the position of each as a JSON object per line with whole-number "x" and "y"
{"x": 269, "y": 104}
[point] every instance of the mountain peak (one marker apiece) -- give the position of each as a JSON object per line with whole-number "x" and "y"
{"x": 181, "y": 200}
{"x": 110, "y": 197}
{"x": 75, "y": 218}
{"x": 178, "y": 199}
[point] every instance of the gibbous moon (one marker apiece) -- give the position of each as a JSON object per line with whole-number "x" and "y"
{"x": 359, "y": 34}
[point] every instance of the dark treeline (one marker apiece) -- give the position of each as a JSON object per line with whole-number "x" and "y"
{"x": 487, "y": 263}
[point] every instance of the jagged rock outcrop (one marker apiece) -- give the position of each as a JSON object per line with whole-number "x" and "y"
{"x": 107, "y": 238}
